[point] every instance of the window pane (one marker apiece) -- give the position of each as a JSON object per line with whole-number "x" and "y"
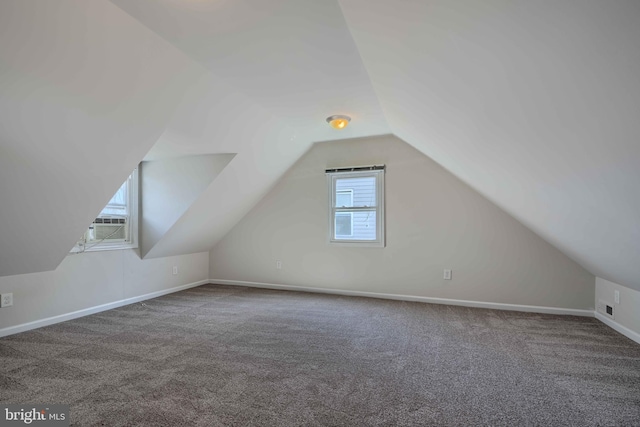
{"x": 343, "y": 224}
{"x": 364, "y": 225}
{"x": 118, "y": 203}
{"x": 344, "y": 198}
{"x": 363, "y": 190}
{"x": 357, "y": 225}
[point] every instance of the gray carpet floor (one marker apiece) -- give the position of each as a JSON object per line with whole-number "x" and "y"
{"x": 217, "y": 355}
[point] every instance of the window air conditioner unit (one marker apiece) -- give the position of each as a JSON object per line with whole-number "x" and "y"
{"x": 109, "y": 229}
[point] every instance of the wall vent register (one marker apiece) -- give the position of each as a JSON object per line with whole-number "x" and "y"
{"x": 606, "y": 309}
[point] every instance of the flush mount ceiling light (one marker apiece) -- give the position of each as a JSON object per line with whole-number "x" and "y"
{"x": 338, "y": 121}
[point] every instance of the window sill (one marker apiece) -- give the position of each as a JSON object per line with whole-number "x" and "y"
{"x": 356, "y": 244}
{"x": 99, "y": 248}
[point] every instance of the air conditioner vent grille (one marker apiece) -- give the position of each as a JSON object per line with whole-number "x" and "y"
{"x": 109, "y": 230}
{"x": 110, "y": 221}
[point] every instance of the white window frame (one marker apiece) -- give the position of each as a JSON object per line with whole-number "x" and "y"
{"x": 332, "y": 177}
{"x": 133, "y": 201}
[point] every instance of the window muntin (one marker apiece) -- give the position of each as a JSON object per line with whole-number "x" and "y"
{"x": 356, "y": 209}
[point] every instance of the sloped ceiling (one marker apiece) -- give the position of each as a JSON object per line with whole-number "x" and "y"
{"x": 277, "y": 69}
{"x": 85, "y": 92}
{"x": 168, "y": 189}
{"x": 534, "y": 105}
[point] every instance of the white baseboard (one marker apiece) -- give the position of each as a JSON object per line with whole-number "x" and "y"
{"x": 92, "y": 310}
{"x": 464, "y": 303}
{"x": 618, "y": 327}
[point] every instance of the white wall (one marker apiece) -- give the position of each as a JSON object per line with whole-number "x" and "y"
{"x": 92, "y": 279}
{"x": 626, "y": 313}
{"x": 433, "y": 221}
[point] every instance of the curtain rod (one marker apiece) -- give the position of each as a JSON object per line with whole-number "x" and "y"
{"x": 356, "y": 169}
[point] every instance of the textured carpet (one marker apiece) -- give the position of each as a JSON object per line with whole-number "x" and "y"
{"x": 217, "y": 355}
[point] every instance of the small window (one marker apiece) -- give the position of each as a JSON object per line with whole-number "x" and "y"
{"x": 116, "y": 227}
{"x": 357, "y": 206}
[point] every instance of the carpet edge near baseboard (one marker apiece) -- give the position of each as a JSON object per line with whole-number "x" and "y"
{"x": 632, "y": 335}
{"x": 23, "y": 327}
{"x": 400, "y": 297}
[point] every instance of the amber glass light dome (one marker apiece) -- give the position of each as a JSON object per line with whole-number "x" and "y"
{"x": 338, "y": 121}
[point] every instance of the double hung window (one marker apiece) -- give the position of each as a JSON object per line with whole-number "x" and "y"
{"x": 356, "y": 212}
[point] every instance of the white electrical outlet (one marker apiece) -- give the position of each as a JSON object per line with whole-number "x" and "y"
{"x": 616, "y": 297}
{"x": 447, "y": 274}
{"x": 175, "y": 270}
{"x": 6, "y": 300}
{"x": 278, "y": 264}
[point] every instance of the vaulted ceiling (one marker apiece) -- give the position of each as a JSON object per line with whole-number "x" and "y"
{"x": 533, "y": 104}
